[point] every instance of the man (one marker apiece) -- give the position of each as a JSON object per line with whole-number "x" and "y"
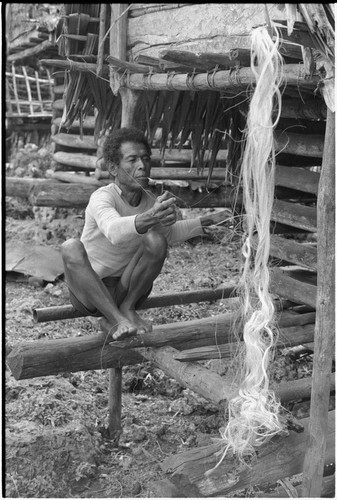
{"x": 124, "y": 242}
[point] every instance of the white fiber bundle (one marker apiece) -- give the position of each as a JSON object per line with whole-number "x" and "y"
{"x": 253, "y": 414}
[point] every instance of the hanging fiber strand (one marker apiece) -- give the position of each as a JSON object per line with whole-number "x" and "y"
{"x": 253, "y": 414}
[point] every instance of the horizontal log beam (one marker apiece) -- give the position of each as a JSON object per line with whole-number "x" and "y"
{"x": 77, "y": 160}
{"x": 292, "y": 289}
{"x": 75, "y": 141}
{"x": 281, "y": 457}
{"x": 295, "y": 215}
{"x": 310, "y": 109}
{"x": 297, "y": 178}
{"x": 41, "y": 358}
{"x": 164, "y": 300}
{"x": 52, "y": 193}
{"x": 309, "y": 145}
{"x": 293, "y": 252}
{"x": 88, "y": 123}
{"x": 290, "y": 143}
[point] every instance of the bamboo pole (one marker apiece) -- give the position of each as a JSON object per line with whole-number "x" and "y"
{"x": 325, "y": 322}
{"x": 294, "y": 76}
{"x": 15, "y": 90}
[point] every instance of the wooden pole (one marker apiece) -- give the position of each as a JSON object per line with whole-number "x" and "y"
{"x": 325, "y": 320}
{"x": 115, "y": 404}
{"x": 118, "y": 22}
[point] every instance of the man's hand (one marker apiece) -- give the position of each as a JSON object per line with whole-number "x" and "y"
{"x": 163, "y": 212}
{"x": 215, "y": 218}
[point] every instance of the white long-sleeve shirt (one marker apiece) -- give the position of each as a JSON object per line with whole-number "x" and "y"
{"x": 110, "y": 236}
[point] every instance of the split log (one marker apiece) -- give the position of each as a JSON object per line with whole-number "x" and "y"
{"x": 279, "y": 458}
{"x": 297, "y": 178}
{"x": 300, "y": 254}
{"x": 292, "y": 289}
{"x": 51, "y": 193}
{"x": 41, "y": 358}
{"x": 164, "y": 300}
{"x": 294, "y": 214}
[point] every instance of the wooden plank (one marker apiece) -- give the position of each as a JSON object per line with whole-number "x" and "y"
{"x": 294, "y": 214}
{"x": 297, "y": 178}
{"x": 281, "y": 457}
{"x": 292, "y": 289}
{"x": 325, "y": 322}
{"x": 291, "y": 251}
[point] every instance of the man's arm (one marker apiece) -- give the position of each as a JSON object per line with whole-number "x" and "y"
{"x": 163, "y": 212}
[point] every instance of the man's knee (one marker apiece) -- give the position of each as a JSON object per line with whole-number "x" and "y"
{"x": 155, "y": 245}
{"x": 73, "y": 251}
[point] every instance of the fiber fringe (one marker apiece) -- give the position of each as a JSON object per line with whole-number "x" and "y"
{"x": 253, "y": 415}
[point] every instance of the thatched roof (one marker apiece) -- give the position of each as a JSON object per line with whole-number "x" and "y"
{"x": 170, "y": 80}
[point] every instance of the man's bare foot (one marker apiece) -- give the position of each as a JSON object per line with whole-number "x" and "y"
{"x": 142, "y": 325}
{"x": 119, "y": 331}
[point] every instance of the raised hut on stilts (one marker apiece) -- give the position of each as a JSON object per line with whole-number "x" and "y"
{"x": 199, "y": 79}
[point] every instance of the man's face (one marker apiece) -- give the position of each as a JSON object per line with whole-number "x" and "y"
{"x": 134, "y": 167}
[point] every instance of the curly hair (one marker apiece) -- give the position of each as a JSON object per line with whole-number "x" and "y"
{"x": 115, "y": 139}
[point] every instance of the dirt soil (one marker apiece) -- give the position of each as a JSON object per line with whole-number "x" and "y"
{"x": 55, "y": 441}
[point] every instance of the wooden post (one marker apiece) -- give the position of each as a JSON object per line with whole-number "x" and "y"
{"x": 325, "y": 321}
{"x": 115, "y": 404}
{"x": 117, "y": 48}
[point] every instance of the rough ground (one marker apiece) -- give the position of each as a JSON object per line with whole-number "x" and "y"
{"x": 55, "y": 445}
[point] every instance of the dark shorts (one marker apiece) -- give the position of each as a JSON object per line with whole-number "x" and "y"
{"x": 111, "y": 284}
